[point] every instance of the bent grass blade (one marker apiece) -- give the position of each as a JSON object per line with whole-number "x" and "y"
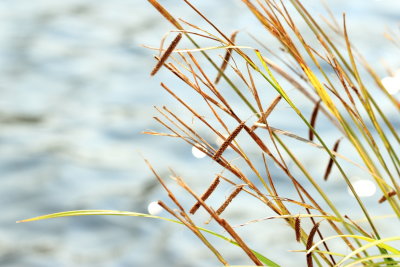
{"x": 261, "y": 257}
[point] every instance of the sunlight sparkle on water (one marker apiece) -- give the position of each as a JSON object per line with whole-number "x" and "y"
{"x": 219, "y": 141}
{"x": 392, "y": 83}
{"x": 364, "y": 188}
{"x": 154, "y": 209}
{"x": 197, "y": 153}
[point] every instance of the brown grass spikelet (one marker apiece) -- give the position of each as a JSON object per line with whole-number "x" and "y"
{"x": 313, "y": 120}
{"x": 297, "y": 228}
{"x": 166, "y": 54}
{"x": 206, "y": 194}
{"x": 228, "y": 141}
{"x": 330, "y": 163}
{"x": 390, "y": 194}
{"x": 229, "y": 199}
{"x": 310, "y": 243}
{"x": 226, "y": 59}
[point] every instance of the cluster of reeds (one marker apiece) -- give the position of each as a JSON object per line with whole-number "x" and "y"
{"x": 340, "y": 88}
{"x": 335, "y": 79}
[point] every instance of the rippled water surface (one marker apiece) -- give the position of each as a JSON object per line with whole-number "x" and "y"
{"x": 75, "y": 93}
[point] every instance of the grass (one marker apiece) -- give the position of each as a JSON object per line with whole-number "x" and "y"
{"x": 334, "y": 85}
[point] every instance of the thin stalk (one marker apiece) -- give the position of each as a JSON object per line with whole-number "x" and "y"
{"x": 299, "y": 113}
{"x": 318, "y": 188}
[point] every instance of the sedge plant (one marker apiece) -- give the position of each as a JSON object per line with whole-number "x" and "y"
{"x": 319, "y": 76}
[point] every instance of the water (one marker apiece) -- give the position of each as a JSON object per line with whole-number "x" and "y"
{"x": 75, "y": 95}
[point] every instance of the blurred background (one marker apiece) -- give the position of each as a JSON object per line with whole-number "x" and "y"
{"x": 75, "y": 95}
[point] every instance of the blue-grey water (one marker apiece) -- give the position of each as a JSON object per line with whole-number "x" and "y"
{"x": 75, "y": 95}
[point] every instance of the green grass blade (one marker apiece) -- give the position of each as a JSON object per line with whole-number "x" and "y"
{"x": 374, "y": 258}
{"x": 371, "y": 242}
{"x": 261, "y": 257}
